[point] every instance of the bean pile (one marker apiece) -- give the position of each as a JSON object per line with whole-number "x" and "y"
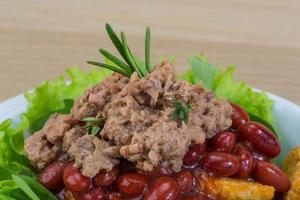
{"x": 244, "y": 151}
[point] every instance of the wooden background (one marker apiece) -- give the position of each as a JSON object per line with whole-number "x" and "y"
{"x": 39, "y": 38}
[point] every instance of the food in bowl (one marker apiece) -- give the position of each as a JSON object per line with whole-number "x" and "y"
{"x": 143, "y": 133}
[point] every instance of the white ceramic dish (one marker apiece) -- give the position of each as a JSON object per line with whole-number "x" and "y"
{"x": 286, "y": 118}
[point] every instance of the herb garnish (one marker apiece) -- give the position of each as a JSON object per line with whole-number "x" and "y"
{"x": 130, "y": 63}
{"x": 181, "y": 111}
{"x": 93, "y": 125}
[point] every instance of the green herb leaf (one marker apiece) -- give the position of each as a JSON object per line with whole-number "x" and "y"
{"x": 93, "y": 125}
{"x": 116, "y": 61}
{"x": 25, "y": 187}
{"x": 181, "y": 111}
{"x": 94, "y": 130}
{"x": 147, "y": 49}
{"x": 132, "y": 64}
{"x": 116, "y": 41}
{"x": 110, "y": 67}
{"x": 129, "y": 55}
{"x": 90, "y": 119}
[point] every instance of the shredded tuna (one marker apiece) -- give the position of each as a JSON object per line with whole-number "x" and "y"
{"x": 96, "y": 97}
{"x": 56, "y": 127}
{"x": 72, "y": 136}
{"x": 40, "y": 151}
{"x": 88, "y": 154}
{"x": 45, "y": 145}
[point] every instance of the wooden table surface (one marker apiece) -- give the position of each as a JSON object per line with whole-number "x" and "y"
{"x": 38, "y": 39}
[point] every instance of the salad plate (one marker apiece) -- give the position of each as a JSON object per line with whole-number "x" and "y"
{"x": 137, "y": 129}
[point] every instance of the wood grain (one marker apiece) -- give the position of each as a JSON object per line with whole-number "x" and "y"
{"x": 38, "y": 39}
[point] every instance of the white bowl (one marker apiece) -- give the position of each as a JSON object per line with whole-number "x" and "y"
{"x": 286, "y": 117}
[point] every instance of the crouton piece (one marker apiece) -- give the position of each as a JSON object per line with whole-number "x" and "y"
{"x": 294, "y": 192}
{"x": 289, "y": 163}
{"x": 235, "y": 189}
{"x": 68, "y": 195}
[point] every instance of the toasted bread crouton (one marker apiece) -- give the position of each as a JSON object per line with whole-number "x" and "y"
{"x": 294, "y": 175}
{"x": 235, "y": 189}
{"x": 68, "y": 195}
{"x": 289, "y": 163}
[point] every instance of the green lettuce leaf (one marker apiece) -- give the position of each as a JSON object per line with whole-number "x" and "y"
{"x": 12, "y": 159}
{"x": 203, "y": 71}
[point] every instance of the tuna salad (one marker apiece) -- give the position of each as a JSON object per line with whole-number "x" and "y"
{"x": 137, "y": 124}
{"x": 142, "y": 133}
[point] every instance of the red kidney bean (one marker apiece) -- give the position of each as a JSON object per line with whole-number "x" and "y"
{"x": 195, "y": 197}
{"x": 74, "y": 180}
{"x": 131, "y": 184}
{"x": 220, "y": 164}
{"x": 246, "y": 161}
{"x": 163, "y": 188}
{"x": 115, "y": 196}
{"x": 239, "y": 116}
{"x": 93, "y": 194}
{"x": 194, "y": 154}
{"x": 261, "y": 138}
{"x": 52, "y": 176}
{"x": 224, "y": 141}
{"x": 269, "y": 174}
{"x": 185, "y": 180}
{"x": 106, "y": 178}
{"x": 255, "y": 154}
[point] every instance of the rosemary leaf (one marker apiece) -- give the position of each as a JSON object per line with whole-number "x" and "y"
{"x": 147, "y": 49}
{"x": 141, "y": 67}
{"x": 181, "y": 111}
{"x": 116, "y": 41}
{"x": 129, "y": 55}
{"x": 94, "y": 130}
{"x": 116, "y": 60}
{"x": 113, "y": 68}
{"x": 90, "y": 119}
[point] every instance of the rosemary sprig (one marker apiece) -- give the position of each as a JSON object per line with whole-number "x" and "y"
{"x": 129, "y": 55}
{"x": 181, "y": 111}
{"x": 147, "y": 49}
{"x": 93, "y": 125}
{"x": 110, "y": 67}
{"x": 130, "y": 64}
{"x": 116, "y": 60}
{"x": 116, "y": 41}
